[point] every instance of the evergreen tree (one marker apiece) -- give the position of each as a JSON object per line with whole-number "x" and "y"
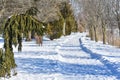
{"x": 69, "y": 20}
{"x": 54, "y": 28}
{"x": 14, "y": 27}
{"x": 64, "y": 25}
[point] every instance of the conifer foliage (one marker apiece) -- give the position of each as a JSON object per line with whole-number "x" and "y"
{"x": 54, "y": 28}
{"x": 69, "y": 19}
{"x": 66, "y": 23}
{"x": 14, "y": 28}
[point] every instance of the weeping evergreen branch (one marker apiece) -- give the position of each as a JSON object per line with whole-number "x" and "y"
{"x": 14, "y": 27}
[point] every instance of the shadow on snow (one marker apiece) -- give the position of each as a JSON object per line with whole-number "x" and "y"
{"x": 110, "y": 66}
{"x": 37, "y": 66}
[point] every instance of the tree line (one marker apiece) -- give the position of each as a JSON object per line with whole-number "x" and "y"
{"x": 101, "y": 18}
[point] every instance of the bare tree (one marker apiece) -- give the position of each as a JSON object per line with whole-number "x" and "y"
{"x": 116, "y": 5}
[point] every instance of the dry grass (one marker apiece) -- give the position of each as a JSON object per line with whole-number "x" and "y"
{"x": 113, "y": 39}
{"x": 110, "y": 39}
{"x": 100, "y": 37}
{"x": 116, "y": 42}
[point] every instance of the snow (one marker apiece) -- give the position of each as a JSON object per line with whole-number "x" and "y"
{"x": 73, "y": 57}
{"x": 1, "y": 42}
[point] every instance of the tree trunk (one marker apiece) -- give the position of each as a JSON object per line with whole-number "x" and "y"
{"x": 28, "y": 36}
{"x": 119, "y": 27}
{"x": 39, "y": 39}
{"x": 104, "y": 33}
{"x": 91, "y": 33}
{"x": 64, "y": 25}
{"x": 96, "y": 38}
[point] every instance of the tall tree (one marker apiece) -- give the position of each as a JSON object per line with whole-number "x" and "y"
{"x": 116, "y": 11}
{"x": 69, "y": 19}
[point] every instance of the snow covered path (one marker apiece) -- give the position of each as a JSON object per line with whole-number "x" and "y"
{"x": 64, "y": 59}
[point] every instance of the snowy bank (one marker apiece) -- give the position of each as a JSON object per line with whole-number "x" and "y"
{"x": 108, "y": 55}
